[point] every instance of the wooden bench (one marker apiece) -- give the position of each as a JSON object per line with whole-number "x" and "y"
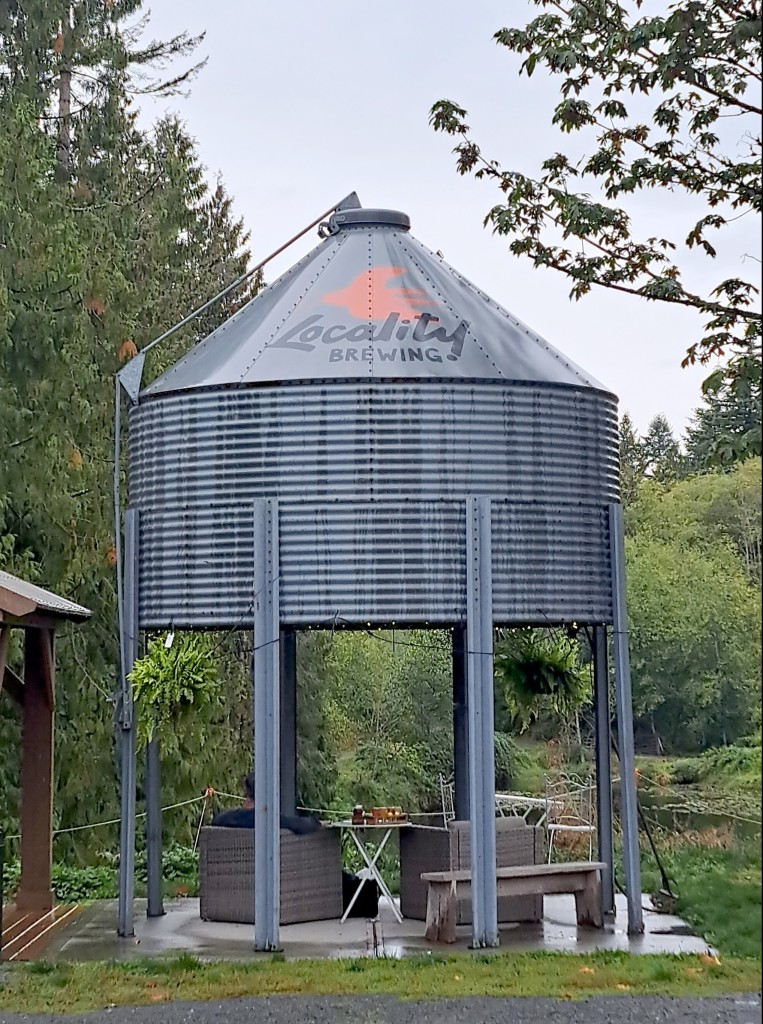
{"x": 583, "y": 878}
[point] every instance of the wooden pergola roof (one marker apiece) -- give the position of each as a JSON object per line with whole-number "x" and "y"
{"x": 25, "y": 605}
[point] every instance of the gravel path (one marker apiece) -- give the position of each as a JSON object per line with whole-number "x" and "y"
{"x": 743, "y": 1009}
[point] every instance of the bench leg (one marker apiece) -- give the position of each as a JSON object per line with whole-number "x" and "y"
{"x": 588, "y": 905}
{"x": 442, "y": 909}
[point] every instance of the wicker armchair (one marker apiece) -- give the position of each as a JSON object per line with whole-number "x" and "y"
{"x": 311, "y": 875}
{"x": 448, "y": 849}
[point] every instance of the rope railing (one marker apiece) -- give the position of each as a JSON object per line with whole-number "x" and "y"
{"x": 334, "y": 812}
{"x": 116, "y": 821}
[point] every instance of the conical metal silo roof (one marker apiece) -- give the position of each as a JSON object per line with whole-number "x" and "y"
{"x": 370, "y": 302}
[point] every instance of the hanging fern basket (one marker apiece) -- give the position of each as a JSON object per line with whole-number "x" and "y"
{"x": 540, "y": 670}
{"x": 172, "y": 684}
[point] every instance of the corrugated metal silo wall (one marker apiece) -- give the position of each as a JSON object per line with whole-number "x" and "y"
{"x": 371, "y": 481}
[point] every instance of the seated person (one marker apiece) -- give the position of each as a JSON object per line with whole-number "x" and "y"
{"x": 243, "y": 817}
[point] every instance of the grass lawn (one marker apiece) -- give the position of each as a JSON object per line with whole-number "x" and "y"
{"x": 718, "y": 887}
{"x": 77, "y": 988}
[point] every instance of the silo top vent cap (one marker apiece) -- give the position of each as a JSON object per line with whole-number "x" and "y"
{"x": 364, "y": 218}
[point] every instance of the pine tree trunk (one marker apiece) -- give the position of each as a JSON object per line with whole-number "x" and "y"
{"x": 658, "y": 747}
{"x": 64, "y": 145}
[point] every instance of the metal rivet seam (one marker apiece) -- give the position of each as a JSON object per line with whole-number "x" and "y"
{"x": 512, "y": 319}
{"x": 336, "y": 244}
{"x": 450, "y": 307}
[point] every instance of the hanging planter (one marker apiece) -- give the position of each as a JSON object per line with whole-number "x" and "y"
{"x": 171, "y": 685}
{"x": 540, "y": 671}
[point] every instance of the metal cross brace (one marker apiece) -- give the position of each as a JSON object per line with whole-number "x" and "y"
{"x": 371, "y": 865}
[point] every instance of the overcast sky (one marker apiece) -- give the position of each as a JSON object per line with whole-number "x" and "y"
{"x": 302, "y": 102}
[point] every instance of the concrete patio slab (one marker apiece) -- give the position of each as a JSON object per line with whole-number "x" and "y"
{"x": 92, "y": 935}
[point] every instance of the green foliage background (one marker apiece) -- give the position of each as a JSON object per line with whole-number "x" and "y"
{"x": 693, "y": 552}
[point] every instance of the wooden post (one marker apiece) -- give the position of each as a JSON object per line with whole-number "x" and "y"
{"x": 442, "y": 911}
{"x": 35, "y": 892}
{"x": 588, "y": 903}
{"x": 5, "y": 634}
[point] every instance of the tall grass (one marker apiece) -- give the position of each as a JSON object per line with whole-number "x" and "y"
{"x": 717, "y": 876}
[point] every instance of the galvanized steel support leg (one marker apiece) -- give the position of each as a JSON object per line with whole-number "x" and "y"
{"x": 460, "y": 727}
{"x": 129, "y": 641}
{"x": 480, "y": 713}
{"x": 288, "y": 713}
{"x": 266, "y": 726}
{"x": 155, "y": 904}
{"x": 624, "y": 703}
{"x": 603, "y": 770}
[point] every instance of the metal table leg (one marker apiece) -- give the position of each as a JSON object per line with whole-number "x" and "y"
{"x": 370, "y": 863}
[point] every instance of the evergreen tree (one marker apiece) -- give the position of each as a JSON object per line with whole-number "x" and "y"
{"x": 633, "y": 461}
{"x": 108, "y": 235}
{"x": 662, "y": 456}
{"x": 726, "y": 428}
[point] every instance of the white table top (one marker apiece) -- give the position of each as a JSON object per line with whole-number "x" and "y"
{"x": 349, "y": 823}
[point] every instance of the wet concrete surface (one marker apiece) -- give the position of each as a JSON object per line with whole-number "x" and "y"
{"x": 383, "y": 1010}
{"x": 92, "y": 935}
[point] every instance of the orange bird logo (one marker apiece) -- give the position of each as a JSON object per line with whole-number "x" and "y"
{"x": 370, "y": 297}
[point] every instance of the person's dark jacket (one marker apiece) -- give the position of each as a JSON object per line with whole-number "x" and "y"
{"x": 243, "y": 817}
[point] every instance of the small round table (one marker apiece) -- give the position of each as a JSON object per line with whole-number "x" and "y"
{"x": 359, "y": 834}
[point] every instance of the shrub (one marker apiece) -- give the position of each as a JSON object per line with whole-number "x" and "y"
{"x": 78, "y": 885}
{"x": 685, "y": 772}
{"x": 11, "y": 875}
{"x": 180, "y": 862}
{"x": 70, "y": 884}
{"x": 99, "y": 882}
{"x": 750, "y": 741}
{"x": 731, "y": 760}
{"x": 509, "y": 759}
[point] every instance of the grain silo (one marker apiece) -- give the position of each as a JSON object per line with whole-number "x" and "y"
{"x": 373, "y": 440}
